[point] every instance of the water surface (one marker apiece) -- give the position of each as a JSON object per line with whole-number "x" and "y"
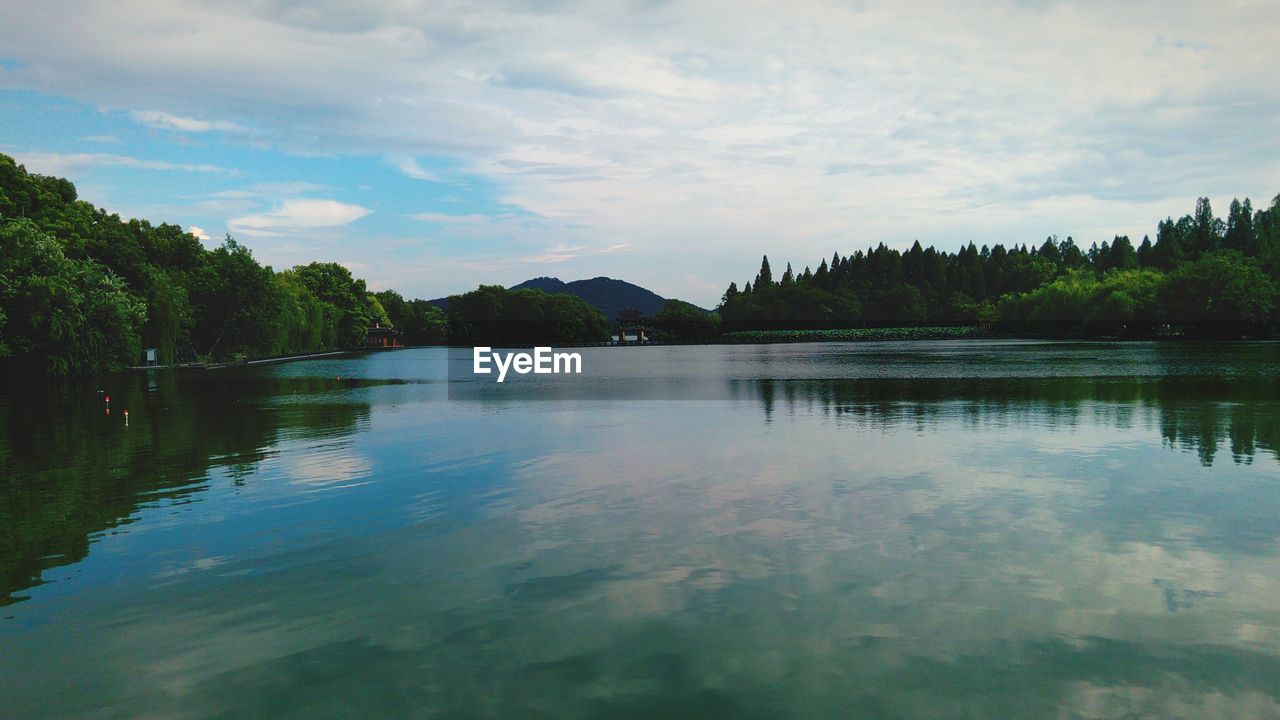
{"x": 891, "y": 530}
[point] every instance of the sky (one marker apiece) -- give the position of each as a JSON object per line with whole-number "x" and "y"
{"x": 434, "y": 146}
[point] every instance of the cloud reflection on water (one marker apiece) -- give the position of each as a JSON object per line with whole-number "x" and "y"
{"x": 880, "y": 548}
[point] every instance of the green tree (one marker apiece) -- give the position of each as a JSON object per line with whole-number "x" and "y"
{"x": 394, "y": 305}
{"x": 1222, "y": 292}
{"x": 730, "y": 293}
{"x": 1122, "y": 255}
{"x": 1206, "y": 230}
{"x": 168, "y": 314}
{"x": 493, "y": 315}
{"x": 302, "y": 326}
{"x": 334, "y": 285}
{"x": 765, "y": 277}
{"x": 903, "y": 305}
{"x": 1266, "y": 225}
{"x": 237, "y": 304}
{"x": 1240, "y": 235}
{"x": 65, "y": 316}
{"x": 426, "y": 324}
{"x": 678, "y": 320}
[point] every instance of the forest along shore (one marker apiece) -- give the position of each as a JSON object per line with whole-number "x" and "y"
{"x": 84, "y": 291}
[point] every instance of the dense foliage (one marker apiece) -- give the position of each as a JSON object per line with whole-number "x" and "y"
{"x": 680, "y": 321}
{"x": 76, "y": 313}
{"x": 420, "y": 322}
{"x": 492, "y": 315}
{"x": 1202, "y": 275}
{"x": 82, "y": 289}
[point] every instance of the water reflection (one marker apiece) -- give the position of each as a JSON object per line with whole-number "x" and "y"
{"x": 70, "y": 470}
{"x": 1191, "y": 413}
{"x": 889, "y": 547}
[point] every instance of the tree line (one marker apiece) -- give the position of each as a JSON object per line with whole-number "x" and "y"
{"x": 1201, "y": 275}
{"x": 83, "y": 290}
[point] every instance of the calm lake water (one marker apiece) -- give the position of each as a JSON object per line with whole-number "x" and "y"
{"x": 875, "y": 530}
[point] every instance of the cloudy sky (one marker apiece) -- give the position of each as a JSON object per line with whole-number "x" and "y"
{"x": 432, "y": 146}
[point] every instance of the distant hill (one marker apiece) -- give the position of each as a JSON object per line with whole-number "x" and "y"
{"x": 607, "y": 295}
{"x": 610, "y": 296}
{"x": 551, "y": 285}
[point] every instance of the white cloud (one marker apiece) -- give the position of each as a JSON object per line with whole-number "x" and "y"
{"x": 558, "y": 253}
{"x": 298, "y": 214}
{"x": 326, "y": 466}
{"x": 64, "y": 164}
{"x": 198, "y": 232}
{"x": 442, "y": 218}
{"x": 166, "y": 121}
{"x": 546, "y": 257}
{"x": 409, "y": 166}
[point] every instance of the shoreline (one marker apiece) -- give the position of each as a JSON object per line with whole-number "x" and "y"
{"x": 746, "y": 337}
{"x": 246, "y": 362}
{"x": 801, "y": 338}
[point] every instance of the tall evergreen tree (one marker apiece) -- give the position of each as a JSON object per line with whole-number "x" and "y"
{"x": 1122, "y": 255}
{"x": 1207, "y": 231}
{"x": 1170, "y": 248}
{"x": 1145, "y": 251}
{"x": 1240, "y": 233}
{"x": 765, "y": 277}
{"x": 821, "y": 278}
{"x": 1050, "y": 250}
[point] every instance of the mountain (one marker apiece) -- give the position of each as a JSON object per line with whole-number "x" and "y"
{"x": 551, "y": 285}
{"x": 607, "y": 295}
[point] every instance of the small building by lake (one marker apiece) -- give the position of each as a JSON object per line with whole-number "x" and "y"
{"x": 379, "y": 337}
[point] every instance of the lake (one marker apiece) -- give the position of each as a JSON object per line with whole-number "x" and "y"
{"x": 880, "y": 530}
